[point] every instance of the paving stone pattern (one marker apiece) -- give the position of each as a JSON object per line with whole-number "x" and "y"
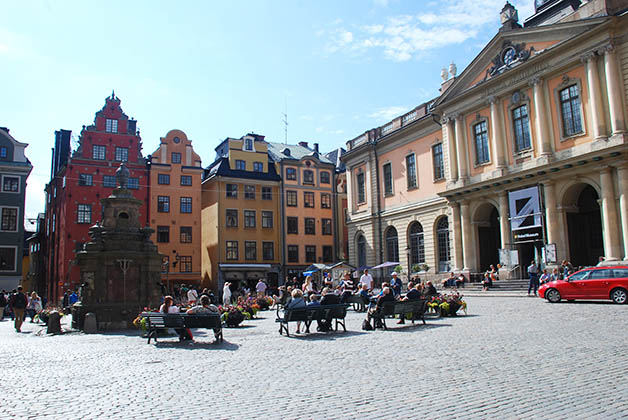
{"x": 509, "y": 358}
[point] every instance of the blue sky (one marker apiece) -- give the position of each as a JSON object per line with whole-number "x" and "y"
{"x": 223, "y": 69}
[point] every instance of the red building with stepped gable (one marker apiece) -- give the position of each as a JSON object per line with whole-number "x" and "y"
{"x": 79, "y": 180}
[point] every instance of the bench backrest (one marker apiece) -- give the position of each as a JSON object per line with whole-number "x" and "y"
{"x": 202, "y": 320}
{"x": 316, "y": 312}
{"x": 404, "y": 307}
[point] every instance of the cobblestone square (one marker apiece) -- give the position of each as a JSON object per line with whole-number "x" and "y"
{"x": 508, "y": 358}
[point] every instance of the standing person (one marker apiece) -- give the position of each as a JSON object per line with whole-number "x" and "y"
{"x": 226, "y": 294}
{"x": 3, "y": 303}
{"x": 347, "y": 287}
{"x": 533, "y": 272}
{"x": 34, "y": 306}
{"x": 261, "y": 288}
{"x": 367, "y": 279}
{"x": 66, "y": 300}
{"x": 18, "y": 304}
{"x": 192, "y": 296}
{"x": 395, "y": 284}
{"x": 73, "y": 298}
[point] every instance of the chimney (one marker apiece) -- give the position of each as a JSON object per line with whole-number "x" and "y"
{"x": 316, "y": 147}
{"x": 4, "y": 129}
{"x": 303, "y": 144}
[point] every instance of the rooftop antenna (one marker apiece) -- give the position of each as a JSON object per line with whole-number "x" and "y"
{"x": 285, "y": 123}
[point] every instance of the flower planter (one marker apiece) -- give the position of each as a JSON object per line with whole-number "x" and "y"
{"x": 234, "y": 318}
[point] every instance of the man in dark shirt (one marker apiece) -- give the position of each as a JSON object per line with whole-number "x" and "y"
{"x": 414, "y": 293}
{"x": 329, "y": 298}
{"x": 430, "y": 290}
{"x": 387, "y": 296}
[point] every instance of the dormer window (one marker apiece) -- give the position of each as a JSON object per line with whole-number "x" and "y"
{"x": 248, "y": 144}
{"x": 111, "y": 126}
{"x": 3, "y": 152}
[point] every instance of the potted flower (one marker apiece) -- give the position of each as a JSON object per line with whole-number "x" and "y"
{"x": 232, "y": 316}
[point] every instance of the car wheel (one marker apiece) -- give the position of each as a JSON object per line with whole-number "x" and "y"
{"x": 619, "y": 295}
{"x": 552, "y": 295}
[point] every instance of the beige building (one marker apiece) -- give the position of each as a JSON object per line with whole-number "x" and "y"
{"x": 523, "y": 152}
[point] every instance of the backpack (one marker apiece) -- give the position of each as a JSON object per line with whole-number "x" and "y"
{"x": 19, "y": 301}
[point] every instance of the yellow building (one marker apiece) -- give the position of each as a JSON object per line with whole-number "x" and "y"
{"x": 175, "y": 208}
{"x": 241, "y": 227}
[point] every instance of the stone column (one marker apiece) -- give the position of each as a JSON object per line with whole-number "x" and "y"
{"x": 614, "y": 87}
{"x": 448, "y": 126}
{"x": 595, "y": 96}
{"x": 551, "y": 212}
{"x": 504, "y": 223}
{"x": 496, "y": 133}
{"x": 351, "y": 198}
{"x": 609, "y": 216}
{"x": 468, "y": 247}
{"x": 457, "y": 236}
{"x": 541, "y": 130}
{"x": 461, "y": 148}
{"x": 622, "y": 182}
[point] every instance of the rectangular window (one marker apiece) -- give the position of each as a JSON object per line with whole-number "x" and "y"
{"x": 7, "y": 258}
{"x": 163, "y": 204}
{"x": 240, "y": 165}
{"x": 4, "y": 152}
{"x": 411, "y": 171}
{"x": 291, "y": 174}
{"x": 163, "y": 179}
{"x": 570, "y": 110}
{"x": 232, "y": 218}
{"x": 308, "y": 177}
{"x": 258, "y": 167}
{"x": 186, "y": 180}
{"x": 9, "y": 219}
{"x": 325, "y": 177}
{"x": 10, "y": 184}
{"x": 328, "y": 255}
{"x": 249, "y": 218}
{"x": 122, "y": 154}
{"x": 325, "y": 201}
{"x": 293, "y": 253}
{"x": 293, "y": 225}
{"x": 176, "y": 157}
{"x": 361, "y": 188}
{"x": 291, "y": 198}
{"x": 267, "y": 219}
{"x": 249, "y": 192}
{"x": 84, "y": 213}
{"x": 185, "y": 236}
{"x": 480, "y": 132}
{"x": 133, "y": 184}
{"x": 86, "y": 180}
{"x": 310, "y": 253}
{"x": 111, "y": 126}
{"x": 267, "y": 193}
{"x": 326, "y": 226}
{"x": 308, "y": 199}
{"x": 109, "y": 181}
{"x": 248, "y": 144}
{"x": 250, "y": 250}
{"x": 232, "y": 250}
{"x": 521, "y": 126}
{"x": 186, "y": 204}
{"x": 388, "y": 179}
{"x": 268, "y": 251}
{"x": 310, "y": 226}
{"x": 185, "y": 264}
{"x": 99, "y": 152}
{"x": 232, "y": 190}
{"x": 437, "y": 161}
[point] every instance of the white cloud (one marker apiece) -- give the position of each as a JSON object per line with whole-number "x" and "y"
{"x": 387, "y": 114}
{"x": 403, "y": 37}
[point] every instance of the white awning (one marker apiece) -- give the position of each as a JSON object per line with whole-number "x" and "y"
{"x": 244, "y": 266}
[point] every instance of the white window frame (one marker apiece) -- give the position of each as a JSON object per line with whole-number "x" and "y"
{"x": 17, "y": 218}
{"x": 19, "y": 184}
{"x": 111, "y": 125}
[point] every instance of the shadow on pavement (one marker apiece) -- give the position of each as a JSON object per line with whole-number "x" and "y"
{"x": 197, "y": 345}
{"x": 412, "y": 328}
{"x": 322, "y": 336}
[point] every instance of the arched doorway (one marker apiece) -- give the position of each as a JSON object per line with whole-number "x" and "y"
{"x": 442, "y": 235}
{"x": 584, "y": 226}
{"x": 489, "y": 241}
{"x": 361, "y": 246}
{"x": 392, "y": 245}
{"x": 417, "y": 245}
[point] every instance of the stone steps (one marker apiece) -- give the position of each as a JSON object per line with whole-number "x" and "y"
{"x": 501, "y": 285}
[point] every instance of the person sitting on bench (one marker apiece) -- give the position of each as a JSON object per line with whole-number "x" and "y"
{"x": 206, "y": 307}
{"x": 414, "y": 293}
{"x": 328, "y": 298}
{"x": 386, "y": 296}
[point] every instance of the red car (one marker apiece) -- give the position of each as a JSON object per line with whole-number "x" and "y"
{"x": 589, "y": 283}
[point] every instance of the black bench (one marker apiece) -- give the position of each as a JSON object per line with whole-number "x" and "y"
{"x": 309, "y": 314}
{"x": 390, "y": 309}
{"x": 158, "y": 320}
{"x": 358, "y": 302}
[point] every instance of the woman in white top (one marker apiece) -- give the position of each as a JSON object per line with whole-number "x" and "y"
{"x": 226, "y": 294}
{"x": 308, "y": 286}
{"x": 34, "y": 305}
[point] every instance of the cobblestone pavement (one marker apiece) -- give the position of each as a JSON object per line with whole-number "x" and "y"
{"x": 509, "y": 358}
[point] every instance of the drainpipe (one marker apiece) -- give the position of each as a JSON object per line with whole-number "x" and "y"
{"x": 379, "y": 207}
{"x": 334, "y": 210}
{"x": 282, "y": 211}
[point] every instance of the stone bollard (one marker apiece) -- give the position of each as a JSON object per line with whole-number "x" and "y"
{"x": 90, "y": 326}
{"x": 54, "y": 323}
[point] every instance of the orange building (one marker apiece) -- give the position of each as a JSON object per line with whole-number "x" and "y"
{"x": 175, "y": 211}
{"x": 241, "y": 229}
{"x": 308, "y": 180}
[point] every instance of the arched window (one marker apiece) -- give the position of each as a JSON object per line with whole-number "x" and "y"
{"x": 392, "y": 245}
{"x": 442, "y": 232}
{"x": 417, "y": 244}
{"x": 361, "y": 251}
